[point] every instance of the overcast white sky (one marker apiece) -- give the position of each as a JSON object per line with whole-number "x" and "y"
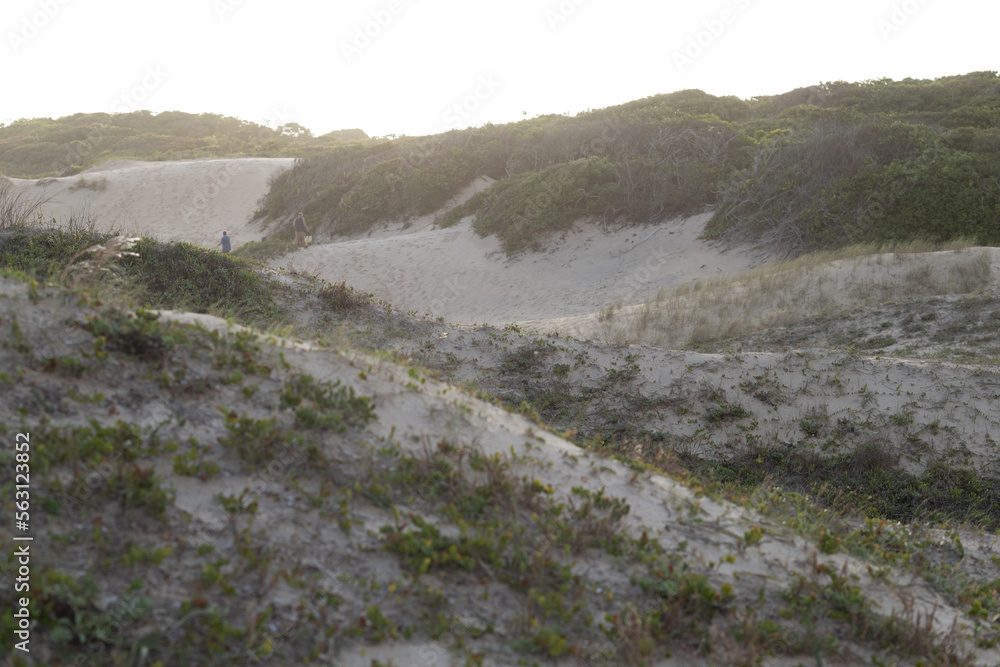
{"x": 430, "y": 65}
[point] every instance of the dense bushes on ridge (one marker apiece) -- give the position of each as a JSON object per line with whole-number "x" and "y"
{"x": 818, "y": 167}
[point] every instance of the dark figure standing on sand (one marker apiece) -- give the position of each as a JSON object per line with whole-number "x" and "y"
{"x": 300, "y": 230}
{"x": 225, "y": 243}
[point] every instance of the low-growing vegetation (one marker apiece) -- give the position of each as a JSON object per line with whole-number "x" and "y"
{"x": 809, "y": 288}
{"x": 18, "y": 207}
{"x": 487, "y": 523}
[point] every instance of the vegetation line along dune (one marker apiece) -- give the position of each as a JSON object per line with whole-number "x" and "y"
{"x": 819, "y": 167}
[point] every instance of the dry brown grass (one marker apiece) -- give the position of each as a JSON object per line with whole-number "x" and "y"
{"x": 18, "y": 206}
{"x": 793, "y": 292}
{"x": 100, "y": 262}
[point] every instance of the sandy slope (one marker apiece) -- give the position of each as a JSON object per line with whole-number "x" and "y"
{"x": 708, "y": 536}
{"x": 190, "y": 200}
{"x": 455, "y": 274}
{"x": 451, "y": 273}
{"x": 777, "y": 296}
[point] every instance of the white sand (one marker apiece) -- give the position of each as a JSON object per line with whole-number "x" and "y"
{"x": 455, "y": 274}
{"x": 190, "y": 200}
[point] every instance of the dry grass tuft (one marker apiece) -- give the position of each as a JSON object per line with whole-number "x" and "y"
{"x": 341, "y": 297}
{"x": 103, "y": 255}
{"x": 18, "y": 207}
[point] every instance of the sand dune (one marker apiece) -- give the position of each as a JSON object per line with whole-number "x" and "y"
{"x": 455, "y": 274}
{"x": 189, "y": 200}
{"x": 451, "y": 273}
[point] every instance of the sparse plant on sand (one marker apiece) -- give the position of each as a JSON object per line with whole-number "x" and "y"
{"x": 95, "y": 184}
{"x": 340, "y": 297}
{"x": 18, "y": 206}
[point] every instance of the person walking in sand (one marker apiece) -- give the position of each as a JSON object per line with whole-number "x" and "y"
{"x": 301, "y": 230}
{"x": 225, "y": 243}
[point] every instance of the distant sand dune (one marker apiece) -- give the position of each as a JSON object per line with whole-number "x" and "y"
{"x": 189, "y": 200}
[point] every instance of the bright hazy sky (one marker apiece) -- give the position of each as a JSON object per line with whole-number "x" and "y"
{"x": 431, "y": 65}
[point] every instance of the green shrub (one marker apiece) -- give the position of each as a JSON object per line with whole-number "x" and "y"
{"x": 141, "y": 336}
{"x": 176, "y": 276}
{"x": 341, "y": 298}
{"x": 43, "y": 254}
{"x": 521, "y": 209}
{"x": 325, "y": 405}
{"x": 279, "y": 242}
{"x": 183, "y": 276}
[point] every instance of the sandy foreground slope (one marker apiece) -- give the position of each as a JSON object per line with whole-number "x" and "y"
{"x": 415, "y": 416}
{"x": 713, "y": 531}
